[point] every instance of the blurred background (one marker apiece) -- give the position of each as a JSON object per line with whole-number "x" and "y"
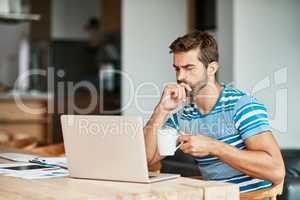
{"x": 69, "y": 43}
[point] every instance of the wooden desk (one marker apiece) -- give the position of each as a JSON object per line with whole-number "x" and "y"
{"x": 70, "y": 188}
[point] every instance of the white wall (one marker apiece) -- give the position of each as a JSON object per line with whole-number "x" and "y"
{"x": 259, "y": 50}
{"x": 224, "y": 36}
{"x": 11, "y": 35}
{"x": 148, "y": 27}
{"x": 266, "y": 60}
{"x": 69, "y": 17}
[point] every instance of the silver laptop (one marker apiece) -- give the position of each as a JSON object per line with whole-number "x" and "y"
{"x": 107, "y": 148}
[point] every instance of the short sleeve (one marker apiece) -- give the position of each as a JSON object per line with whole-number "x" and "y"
{"x": 172, "y": 121}
{"x": 250, "y": 117}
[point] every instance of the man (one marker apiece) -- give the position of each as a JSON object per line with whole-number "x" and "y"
{"x": 226, "y": 130}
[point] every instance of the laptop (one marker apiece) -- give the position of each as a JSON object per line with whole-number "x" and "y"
{"x": 107, "y": 148}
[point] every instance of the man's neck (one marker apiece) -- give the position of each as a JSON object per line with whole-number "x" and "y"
{"x": 207, "y": 97}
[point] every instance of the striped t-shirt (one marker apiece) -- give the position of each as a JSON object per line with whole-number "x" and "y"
{"x": 235, "y": 117}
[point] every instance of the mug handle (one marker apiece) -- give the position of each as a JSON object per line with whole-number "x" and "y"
{"x": 178, "y": 145}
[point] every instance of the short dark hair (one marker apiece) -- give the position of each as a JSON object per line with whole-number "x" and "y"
{"x": 197, "y": 39}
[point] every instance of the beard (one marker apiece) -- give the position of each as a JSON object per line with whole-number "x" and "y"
{"x": 197, "y": 87}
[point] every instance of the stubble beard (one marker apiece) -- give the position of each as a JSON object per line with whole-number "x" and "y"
{"x": 196, "y": 90}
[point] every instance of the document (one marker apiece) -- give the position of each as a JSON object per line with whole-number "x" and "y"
{"x": 31, "y": 171}
{"x": 19, "y": 157}
{"x": 30, "y": 166}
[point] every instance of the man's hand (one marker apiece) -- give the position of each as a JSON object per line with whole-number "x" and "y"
{"x": 173, "y": 96}
{"x": 197, "y": 145}
{"x": 261, "y": 159}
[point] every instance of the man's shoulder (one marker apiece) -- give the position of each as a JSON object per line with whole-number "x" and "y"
{"x": 230, "y": 96}
{"x": 241, "y": 97}
{"x": 240, "y": 100}
{"x": 250, "y": 115}
{"x": 229, "y": 90}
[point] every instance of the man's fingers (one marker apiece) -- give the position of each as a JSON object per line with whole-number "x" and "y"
{"x": 189, "y": 149}
{"x": 184, "y": 138}
{"x": 186, "y": 86}
{"x": 174, "y": 93}
{"x": 183, "y": 93}
{"x": 185, "y": 147}
{"x": 177, "y": 92}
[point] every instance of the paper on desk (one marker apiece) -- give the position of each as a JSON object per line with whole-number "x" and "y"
{"x": 57, "y": 161}
{"x": 17, "y": 164}
{"x": 18, "y": 157}
{"x": 39, "y": 174}
{"x": 32, "y": 173}
{"x": 2, "y": 166}
{"x": 52, "y": 164}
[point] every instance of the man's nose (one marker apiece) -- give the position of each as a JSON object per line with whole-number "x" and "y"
{"x": 180, "y": 76}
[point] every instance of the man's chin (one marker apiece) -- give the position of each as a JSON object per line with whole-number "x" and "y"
{"x": 197, "y": 90}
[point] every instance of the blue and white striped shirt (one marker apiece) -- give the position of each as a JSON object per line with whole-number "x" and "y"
{"x": 235, "y": 117}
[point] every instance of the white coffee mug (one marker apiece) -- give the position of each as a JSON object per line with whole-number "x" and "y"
{"x": 166, "y": 141}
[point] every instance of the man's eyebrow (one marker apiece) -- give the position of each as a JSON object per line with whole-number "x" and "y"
{"x": 184, "y": 66}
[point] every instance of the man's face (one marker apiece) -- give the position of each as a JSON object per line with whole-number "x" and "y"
{"x": 190, "y": 70}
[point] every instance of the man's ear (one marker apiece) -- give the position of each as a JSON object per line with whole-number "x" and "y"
{"x": 212, "y": 68}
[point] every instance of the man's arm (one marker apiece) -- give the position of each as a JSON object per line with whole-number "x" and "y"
{"x": 261, "y": 159}
{"x": 154, "y": 124}
{"x": 172, "y": 97}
